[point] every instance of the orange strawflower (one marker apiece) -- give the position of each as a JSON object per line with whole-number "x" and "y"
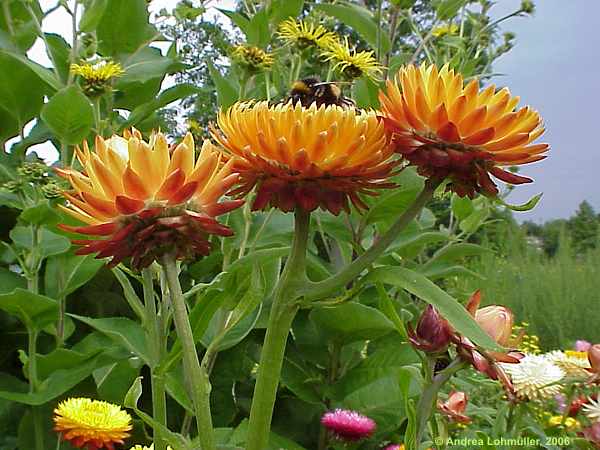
{"x": 306, "y": 157}
{"x": 141, "y": 200}
{"x": 449, "y": 130}
{"x": 91, "y": 424}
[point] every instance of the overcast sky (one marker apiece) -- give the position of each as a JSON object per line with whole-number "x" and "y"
{"x": 554, "y": 68}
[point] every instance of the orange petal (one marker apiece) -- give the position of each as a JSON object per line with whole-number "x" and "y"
{"x": 171, "y": 185}
{"x": 448, "y": 132}
{"x": 134, "y": 187}
{"x": 127, "y": 205}
{"x": 184, "y": 193}
{"x": 480, "y": 137}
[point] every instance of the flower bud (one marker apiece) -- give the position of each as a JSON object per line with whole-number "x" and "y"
{"x": 594, "y": 358}
{"x": 455, "y": 407}
{"x": 433, "y": 332}
{"x": 496, "y": 321}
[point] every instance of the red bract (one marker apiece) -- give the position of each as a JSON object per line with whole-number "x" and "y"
{"x": 433, "y": 333}
{"x": 455, "y": 407}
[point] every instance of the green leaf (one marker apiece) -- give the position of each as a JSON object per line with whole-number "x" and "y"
{"x": 241, "y": 21}
{"x": 527, "y": 206}
{"x": 447, "y": 9}
{"x": 166, "y": 97}
{"x": 69, "y": 115}
{"x": 48, "y": 243}
{"x": 21, "y": 92}
{"x": 144, "y": 65}
{"x": 113, "y": 381}
{"x": 34, "y": 310}
{"x": 227, "y": 94}
{"x": 42, "y": 213}
{"x": 18, "y": 30}
{"x": 124, "y": 27}
{"x": 350, "y": 322}
{"x": 67, "y": 272}
{"x": 461, "y": 206}
{"x": 10, "y": 280}
{"x": 125, "y": 332}
{"x": 92, "y": 15}
{"x": 455, "y": 252}
{"x": 258, "y": 33}
{"x": 444, "y": 270}
{"x": 280, "y": 10}
{"x": 130, "y": 295}
{"x": 359, "y": 19}
{"x": 448, "y": 307}
{"x": 366, "y": 93}
{"x": 59, "y": 52}
{"x": 474, "y": 220}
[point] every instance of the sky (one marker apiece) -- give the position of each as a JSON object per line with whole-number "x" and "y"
{"x": 554, "y": 68}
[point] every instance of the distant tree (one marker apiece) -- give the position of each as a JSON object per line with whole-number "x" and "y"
{"x": 583, "y": 228}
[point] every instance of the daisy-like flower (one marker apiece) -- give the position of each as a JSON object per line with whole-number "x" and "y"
{"x": 97, "y": 77}
{"x": 574, "y": 364}
{"x": 535, "y": 377}
{"x": 142, "y": 200}
{"x": 251, "y": 58}
{"x": 91, "y": 424}
{"x": 453, "y": 131}
{"x": 304, "y": 35}
{"x": 444, "y": 30}
{"x": 569, "y": 423}
{"x": 348, "y": 425}
{"x": 306, "y": 157}
{"x": 592, "y": 409}
{"x": 350, "y": 63}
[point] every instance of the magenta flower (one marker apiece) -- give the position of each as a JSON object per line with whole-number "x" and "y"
{"x": 582, "y": 345}
{"x": 348, "y": 425}
{"x": 394, "y": 447}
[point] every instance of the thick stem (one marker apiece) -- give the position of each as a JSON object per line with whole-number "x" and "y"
{"x": 315, "y": 291}
{"x": 153, "y": 328}
{"x": 38, "y": 426}
{"x": 196, "y": 378}
{"x": 283, "y": 311}
{"x": 428, "y": 399}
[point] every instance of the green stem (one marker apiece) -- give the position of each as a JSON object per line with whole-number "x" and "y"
{"x": 283, "y": 311}
{"x": 321, "y": 289}
{"x": 60, "y": 323}
{"x": 428, "y": 400}
{"x": 153, "y": 328}
{"x": 38, "y": 426}
{"x": 197, "y": 379}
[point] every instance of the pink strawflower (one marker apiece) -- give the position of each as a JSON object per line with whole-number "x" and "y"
{"x": 348, "y": 425}
{"x": 582, "y": 345}
{"x": 395, "y": 447}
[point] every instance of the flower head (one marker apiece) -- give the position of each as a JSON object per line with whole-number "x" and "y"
{"x": 251, "y": 58}
{"x": 350, "y": 63}
{"x": 348, "y": 425}
{"x": 592, "y": 409}
{"x": 535, "y": 377}
{"x": 97, "y": 77}
{"x": 306, "y": 157}
{"x": 433, "y": 333}
{"x": 453, "y": 131}
{"x": 455, "y": 406}
{"x": 394, "y": 447}
{"x": 569, "y": 423}
{"x": 443, "y": 30}
{"x": 91, "y": 423}
{"x": 144, "y": 199}
{"x": 574, "y": 364}
{"x": 304, "y": 35}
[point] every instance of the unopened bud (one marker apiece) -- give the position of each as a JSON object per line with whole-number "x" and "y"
{"x": 433, "y": 332}
{"x": 594, "y": 358}
{"x": 497, "y": 322}
{"x": 455, "y": 407}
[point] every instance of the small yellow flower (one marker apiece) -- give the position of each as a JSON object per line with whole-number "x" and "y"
{"x": 91, "y": 423}
{"x": 304, "y": 35}
{"x": 140, "y": 447}
{"x": 252, "y": 58}
{"x": 570, "y": 423}
{"x": 443, "y": 30}
{"x": 96, "y": 77}
{"x": 350, "y": 63}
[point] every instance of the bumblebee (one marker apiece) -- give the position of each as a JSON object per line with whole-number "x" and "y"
{"x": 311, "y": 89}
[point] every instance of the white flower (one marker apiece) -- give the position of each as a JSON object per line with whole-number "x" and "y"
{"x": 535, "y": 376}
{"x": 574, "y": 364}
{"x": 592, "y": 410}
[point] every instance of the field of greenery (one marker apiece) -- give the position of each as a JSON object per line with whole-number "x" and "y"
{"x": 282, "y": 225}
